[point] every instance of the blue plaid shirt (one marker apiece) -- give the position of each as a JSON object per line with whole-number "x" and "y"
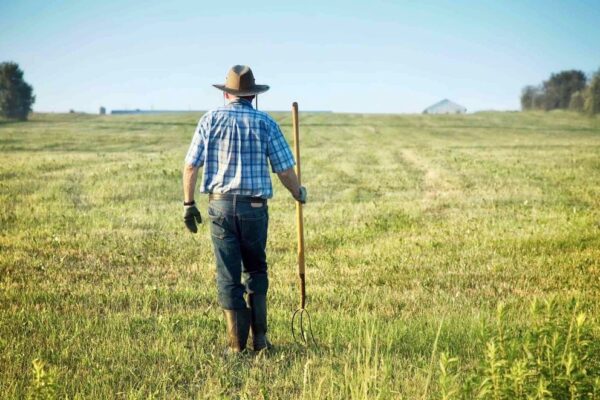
{"x": 233, "y": 144}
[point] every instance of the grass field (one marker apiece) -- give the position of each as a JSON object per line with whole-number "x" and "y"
{"x": 448, "y": 257}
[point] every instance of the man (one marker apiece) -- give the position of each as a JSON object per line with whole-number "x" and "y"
{"x": 233, "y": 143}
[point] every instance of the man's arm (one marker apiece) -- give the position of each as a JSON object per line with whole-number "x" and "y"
{"x": 289, "y": 179}
{"x": 190, "y": 175}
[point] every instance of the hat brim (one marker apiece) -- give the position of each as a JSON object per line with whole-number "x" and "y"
{"x": 256, "y": 89}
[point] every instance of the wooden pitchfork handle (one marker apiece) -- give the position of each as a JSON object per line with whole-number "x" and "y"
{"x": 299, "y": 219}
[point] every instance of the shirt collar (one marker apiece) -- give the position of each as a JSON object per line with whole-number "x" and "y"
{"x": 242, "y": 102}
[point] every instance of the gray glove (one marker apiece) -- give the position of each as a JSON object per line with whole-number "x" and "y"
{"x": 190, "y": 216}
{"x": 302, "y": 195}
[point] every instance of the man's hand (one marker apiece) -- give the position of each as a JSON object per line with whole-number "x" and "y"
{"x": 191, "y": 215}
{"x": 301, "y": 196}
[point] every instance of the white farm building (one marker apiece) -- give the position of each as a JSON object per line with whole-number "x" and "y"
{"x": 445, "y": 107}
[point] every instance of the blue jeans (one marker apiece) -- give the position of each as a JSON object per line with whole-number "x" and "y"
{"x": 239, "y": 237}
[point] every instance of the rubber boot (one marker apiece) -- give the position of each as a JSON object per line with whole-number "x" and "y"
{"x": 258, "y": 309}
{"x": 238, "y": 326}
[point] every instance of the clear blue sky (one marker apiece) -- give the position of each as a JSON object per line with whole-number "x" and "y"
{"x": 350, "y": 56}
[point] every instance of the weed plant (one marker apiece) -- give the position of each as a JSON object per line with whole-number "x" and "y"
{"x": 550, "y": 356}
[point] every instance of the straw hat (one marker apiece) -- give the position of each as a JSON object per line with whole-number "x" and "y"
{"x": 240, "y": 82}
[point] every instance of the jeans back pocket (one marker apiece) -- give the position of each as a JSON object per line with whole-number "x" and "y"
{"x": 217, "y": 223}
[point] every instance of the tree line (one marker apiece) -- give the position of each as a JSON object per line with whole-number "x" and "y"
{"x": 566, "y": 90}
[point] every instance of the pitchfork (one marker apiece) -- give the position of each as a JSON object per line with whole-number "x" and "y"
{"x": 301, "y": 323}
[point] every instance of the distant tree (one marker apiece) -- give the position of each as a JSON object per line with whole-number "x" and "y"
{"x": 531, "y": 98}
{"x": 16, "y": 95}
{"x": 592, "y": 95}
{"x": 560, "y": 87}
{"x": 577, "y": 101}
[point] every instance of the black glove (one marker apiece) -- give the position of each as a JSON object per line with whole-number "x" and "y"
{"x": 191, "y": 215}
{"x": 302, "y": 195}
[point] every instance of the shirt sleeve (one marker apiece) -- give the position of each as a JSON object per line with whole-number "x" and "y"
{"x": 278, "y": 150}
{"x": 196, "y": 152}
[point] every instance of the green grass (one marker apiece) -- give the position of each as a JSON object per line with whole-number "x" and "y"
{"x": 418, "y": 228}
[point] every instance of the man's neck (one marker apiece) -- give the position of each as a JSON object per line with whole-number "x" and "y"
{"x": 240, "y": 100}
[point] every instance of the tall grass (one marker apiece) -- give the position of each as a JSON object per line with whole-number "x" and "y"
{"x": 551, "y": 354}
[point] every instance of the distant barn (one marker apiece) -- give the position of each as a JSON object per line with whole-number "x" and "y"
{"x": 445, "y": 107}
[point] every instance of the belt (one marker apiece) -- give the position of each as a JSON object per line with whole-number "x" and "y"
{"x": 236, "y": 197}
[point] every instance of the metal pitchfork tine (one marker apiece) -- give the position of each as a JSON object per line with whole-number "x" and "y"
{"x": 301, "y": 324}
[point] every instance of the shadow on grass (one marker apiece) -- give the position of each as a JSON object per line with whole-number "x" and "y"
{"x": 11, "y": 121}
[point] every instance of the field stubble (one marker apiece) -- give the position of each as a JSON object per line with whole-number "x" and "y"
{"x": 447, "y": 257}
